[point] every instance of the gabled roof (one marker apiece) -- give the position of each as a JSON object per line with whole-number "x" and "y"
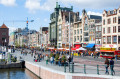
{"x": 4, "y": 26}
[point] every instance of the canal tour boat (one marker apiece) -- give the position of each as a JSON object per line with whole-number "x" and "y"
{"x": 109, "y": 53}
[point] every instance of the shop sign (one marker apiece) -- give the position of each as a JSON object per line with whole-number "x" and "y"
{"x": 107, "y": 48}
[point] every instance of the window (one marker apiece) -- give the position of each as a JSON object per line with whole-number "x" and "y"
{"x": 80, "y": 38}
{"x": 119, "y": 39}
{"x": 104, "y": 22}
{"x": 118, "y": 20}
{"x": 78, "y": 26}
{"x": 77, "y": 37}
{"x": 114, "y": 20}
{"x": 114, "y": 29}
{"x": 90, "y": 38}
{"x": 108, "y": 39}
{"x": 103, "y": 30}
{"x": 104, "y": 40}
{"x": 118, "y": 28}
{"x": 3, "y": 33}
{"x": 77, "y": 31}
{"x": 114, "y": 39}
{"x": 109, "y": 21}
{"x": 108, "y": 29}
{"x": 103, "y": 15}
{"x": 80, "y": 31}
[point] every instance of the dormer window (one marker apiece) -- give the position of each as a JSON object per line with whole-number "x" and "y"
{"x": 103, "y": 15}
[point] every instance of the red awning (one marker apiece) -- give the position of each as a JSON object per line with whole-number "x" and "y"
{"x": 75, "y": 48}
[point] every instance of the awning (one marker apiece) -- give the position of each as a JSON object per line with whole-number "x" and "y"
{"x": 90, "y": 45}
{"x": 81, "y": 48}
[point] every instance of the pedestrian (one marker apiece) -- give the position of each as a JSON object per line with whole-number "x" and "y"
{"x": 106, "y": 66}
{"x": 59, "y": 62}
{"x": 116, "y": 57}
{"x": 112, "y": 66}
{"x": 51, "y": 60}
{"x": 46, "y": 59}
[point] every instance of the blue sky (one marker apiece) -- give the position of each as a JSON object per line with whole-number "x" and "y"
{"x": 40, "y": 10}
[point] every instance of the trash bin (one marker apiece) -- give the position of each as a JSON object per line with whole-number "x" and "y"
{"x": 71, "y": 65}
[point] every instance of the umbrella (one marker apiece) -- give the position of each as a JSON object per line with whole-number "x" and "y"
{"x": 81, "y": 48}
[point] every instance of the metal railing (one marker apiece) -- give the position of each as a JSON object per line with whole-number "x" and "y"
{"x": 91, "y": 69}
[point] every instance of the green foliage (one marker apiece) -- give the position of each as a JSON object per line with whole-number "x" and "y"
{"x": 51, "y": 54}
{"x": 56, "y": 57}
{"x": 13, "y": 59}
{"x": 2, "y": 60}
{"x": 63, "y": 58}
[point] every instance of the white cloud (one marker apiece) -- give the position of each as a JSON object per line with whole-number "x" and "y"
{"x": 45, "y": 19}
{"x": 11, "y": 29}
{"x": 34, "y": 5}
{"x": 95, "y": 4}
{"x": 8, "y": 2}
{"x": 94, "y": 13}
{"x": 49, "y": 5}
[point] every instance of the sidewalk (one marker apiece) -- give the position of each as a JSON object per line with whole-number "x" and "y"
{"x": 78, "y": 68}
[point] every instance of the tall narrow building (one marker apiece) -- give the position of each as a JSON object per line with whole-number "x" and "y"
{"x": 54, "y": 23}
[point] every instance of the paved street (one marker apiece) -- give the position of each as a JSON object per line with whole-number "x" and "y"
{"x": 91, "y": 65}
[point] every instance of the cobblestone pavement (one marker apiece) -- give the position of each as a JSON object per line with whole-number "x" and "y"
{"x": 91, "y": 65}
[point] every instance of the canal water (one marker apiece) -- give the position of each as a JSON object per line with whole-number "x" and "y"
{"x": 17, "y": 74}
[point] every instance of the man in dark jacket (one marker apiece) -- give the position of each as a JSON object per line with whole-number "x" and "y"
{"x": 112, "y": 66}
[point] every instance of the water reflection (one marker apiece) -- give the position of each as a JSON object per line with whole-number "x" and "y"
{"x": 17, "y": 74}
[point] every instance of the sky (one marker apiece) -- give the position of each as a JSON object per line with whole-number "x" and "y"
{"x": 14, "y": 13}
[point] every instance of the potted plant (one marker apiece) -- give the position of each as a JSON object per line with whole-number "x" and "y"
{"x": 63, "y": 59}
{"x": 56, "y": 58}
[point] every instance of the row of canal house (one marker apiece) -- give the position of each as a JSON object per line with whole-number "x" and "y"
{"x": 84, "y": 31}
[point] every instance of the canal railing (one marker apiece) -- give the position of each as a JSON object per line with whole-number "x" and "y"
{"x": 91, "y": 69}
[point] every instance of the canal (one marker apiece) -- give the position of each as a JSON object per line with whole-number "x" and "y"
{"x": 17, "y": 73}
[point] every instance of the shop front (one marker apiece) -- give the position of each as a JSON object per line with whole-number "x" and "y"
{"x": 77, "y": 44}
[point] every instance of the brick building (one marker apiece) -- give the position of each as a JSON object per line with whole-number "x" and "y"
{"x": 4, "y": 35}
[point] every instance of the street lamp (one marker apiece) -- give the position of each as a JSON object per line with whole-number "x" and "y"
{"x": 69, "y": 37}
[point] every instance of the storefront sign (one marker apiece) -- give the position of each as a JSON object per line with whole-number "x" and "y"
{"x": 98, "y": 45}
{"x": 108, "y": 49}
{"x": 111, "y": 46}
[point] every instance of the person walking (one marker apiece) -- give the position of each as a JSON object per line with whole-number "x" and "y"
{"x": 46, "y": 58}
{"x": 106, "y": 66}
{"x": 59, "y": 62}
{"x": 116, "y": 58}
{"x": 112, "y": 66}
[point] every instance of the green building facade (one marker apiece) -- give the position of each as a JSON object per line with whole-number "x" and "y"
{"x": 53, "y": 24}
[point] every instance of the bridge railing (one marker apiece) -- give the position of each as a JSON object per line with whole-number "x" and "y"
{"x": 92, "y": 69}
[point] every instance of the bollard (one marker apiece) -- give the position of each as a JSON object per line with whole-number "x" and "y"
{"x": 69, "y": 67}
{"x": 64, "y": 67}
{"x": 72, "y": 67}
{"x": 84, "y": 69}
{"x": 98, "y": 69}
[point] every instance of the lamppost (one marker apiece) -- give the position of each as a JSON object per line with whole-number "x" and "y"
{"x": 69, "y": 37}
